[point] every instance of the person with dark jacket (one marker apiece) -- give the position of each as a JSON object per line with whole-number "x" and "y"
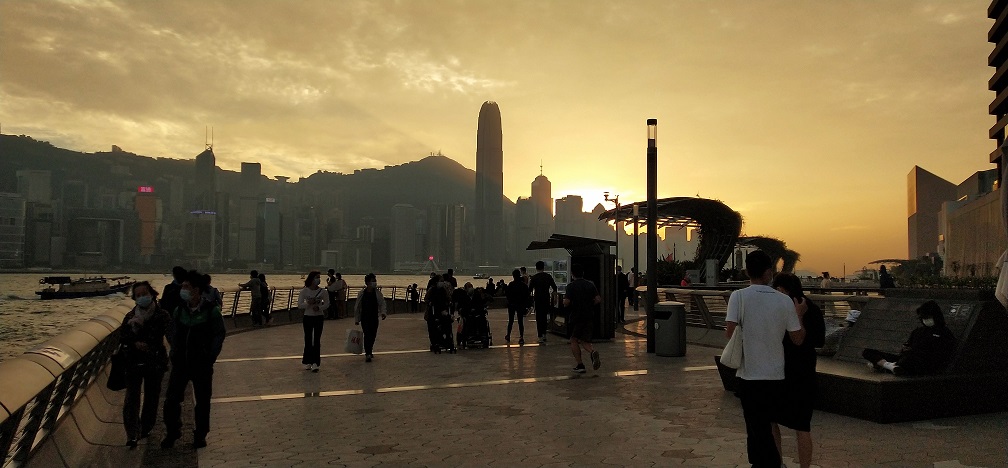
{"x": 800, "y": 371}
{"x": 196, "y": 341}
{"x": 369, "y": 306}
{"x": 543, "y": 288}
{"x": 927, "y": 351}
{"x": 622, "y": 292}
{"x": 170, "y": 294}
{"x": 438, "y": 302}
{"x": 141, "y": 339}
{"x": 517, "y": 293}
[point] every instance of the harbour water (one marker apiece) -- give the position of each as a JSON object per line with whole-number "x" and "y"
{"x": 26, "y": 320}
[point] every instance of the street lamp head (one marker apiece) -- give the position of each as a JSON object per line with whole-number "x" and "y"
{"x": 652, "y": 133}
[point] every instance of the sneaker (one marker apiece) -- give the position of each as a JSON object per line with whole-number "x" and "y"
{"x": 507, "y": 338}
{"x": 132, "y": 443}
{"x": 307, "y": 367}
{"x": 596, "y": 362}
{"x": 580, "y": 369}
{"x": 314, "y": 367}
{"x": 199, "y": 442}
{"x": 542, "y": 340}
{"x": 367, "y": 358}
{"x": 521, "y": 341}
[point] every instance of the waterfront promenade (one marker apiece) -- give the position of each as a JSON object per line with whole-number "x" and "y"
{"x": 514, "y": 406}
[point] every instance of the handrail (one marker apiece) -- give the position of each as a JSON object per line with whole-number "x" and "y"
{"x": 39, "y": 387}
{"x": 706, "y": 308}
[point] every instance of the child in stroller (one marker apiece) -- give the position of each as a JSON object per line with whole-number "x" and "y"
{"x": 474, "y": 329}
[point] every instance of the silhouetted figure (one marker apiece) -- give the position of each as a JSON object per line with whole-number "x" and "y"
{"x": 885, "y": 279}
{"x": 414, "y": 298}
{"x": 927, "y": 351}
{"x": 264, "y": 294}
{"x": 170, "y": 294}
{"x": 252, "y": 286}
{"x": 543, "y": 288}
{"x": 517, "y": 298}
{"x": 369, "y": 307}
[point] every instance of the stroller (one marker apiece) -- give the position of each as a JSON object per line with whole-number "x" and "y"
{"x": 473, "y": 328}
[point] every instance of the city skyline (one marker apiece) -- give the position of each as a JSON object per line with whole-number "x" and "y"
{"x": 805, "y": 118}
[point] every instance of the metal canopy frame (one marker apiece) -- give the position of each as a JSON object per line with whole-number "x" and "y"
{"x": 574, "y": 245}
{"x": 719, "y": 225}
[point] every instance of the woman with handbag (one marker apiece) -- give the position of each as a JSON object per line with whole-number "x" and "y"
{"x": 314, "y": 301}
{"x": 142, "y": 342}
{"x": 369, "y": 306}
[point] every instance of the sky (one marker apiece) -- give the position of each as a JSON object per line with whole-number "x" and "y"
{"x": 805, "y": 117}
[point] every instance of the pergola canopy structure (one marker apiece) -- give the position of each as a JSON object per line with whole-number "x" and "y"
{"x": 775, "y": 248}
{"x": 719, "y": 225}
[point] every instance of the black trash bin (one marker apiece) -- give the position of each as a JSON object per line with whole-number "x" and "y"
{"x": 670, "y": 329}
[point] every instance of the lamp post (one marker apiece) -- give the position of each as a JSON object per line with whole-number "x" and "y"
{"x": 615, "y": 199}
{"x": 652, "y": 229}
{"x": 636, "y": 250}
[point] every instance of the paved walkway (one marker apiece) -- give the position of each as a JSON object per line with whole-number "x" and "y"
{"x": 521, "y": 406}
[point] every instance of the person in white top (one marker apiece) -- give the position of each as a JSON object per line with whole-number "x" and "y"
{"x": 763, "y": 315}
{"x": 314, "y": 301}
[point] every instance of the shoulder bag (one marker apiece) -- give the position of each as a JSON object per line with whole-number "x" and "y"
{"x": 732, "y": 354}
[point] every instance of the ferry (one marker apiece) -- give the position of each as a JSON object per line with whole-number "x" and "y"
{"x": 481, "y": 276}
{"x": 83, "y": 287}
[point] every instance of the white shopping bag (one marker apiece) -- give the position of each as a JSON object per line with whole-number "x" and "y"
{"x": 354, "y": 341}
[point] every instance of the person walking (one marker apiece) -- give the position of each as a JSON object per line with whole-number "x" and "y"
{"x": 622, "y": 291}
{"x": 196, "y": 340}
{"x": 543, "y": 288}
{"x": 141, "y": 338}
{"x": 438, "y": 303}
{"x": 314, "y": 301}
{"x": 766, "y": 316}
{"x": 253, "y": 286}
{"x": 369, "y": 306}
{"x": 800, "y": 371}
{"x": 581, "y": 298}
{"x": 264, "y": 300}
{"x": 517, "y": 294}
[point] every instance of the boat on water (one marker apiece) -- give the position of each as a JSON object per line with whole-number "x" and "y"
{"x": 63, "y": 287}
{"x": 481, "y": 276}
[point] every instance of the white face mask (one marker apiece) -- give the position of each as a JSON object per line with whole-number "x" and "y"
{"x": 928, "y": 322}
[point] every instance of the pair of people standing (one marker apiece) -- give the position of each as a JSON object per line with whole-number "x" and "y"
{"x": 767, "y": 318}
{"x": 314, "y": 301}
{"x": 259, "y": 309}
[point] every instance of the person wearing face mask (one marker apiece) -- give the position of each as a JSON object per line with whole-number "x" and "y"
{"x": 141, "y": 338}
{"x": 927, "y": 351}
{"x": 314, "y": 301}
{"x": 196, "y": 340}
{"x": 369, "y": 306}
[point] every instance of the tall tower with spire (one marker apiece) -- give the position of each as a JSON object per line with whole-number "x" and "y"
{"x": 489, "y": 199}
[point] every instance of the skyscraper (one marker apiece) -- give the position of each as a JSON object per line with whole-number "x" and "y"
{"x": 489, "y": 209}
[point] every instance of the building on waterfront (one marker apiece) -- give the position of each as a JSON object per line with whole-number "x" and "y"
{"x": 249, "y": 214}
{"x": 489, "y": 196}
{"x": 148, "y": 210}
{"x": 406, "y": 241}
{"x": 569, "y": 217}
{"x": 925, "y": 194}
{"x": 971, "y": 233}
{"x": 998, "y": 60}
{"x": 533, "y": 219}
{"x": 12, "y": 230}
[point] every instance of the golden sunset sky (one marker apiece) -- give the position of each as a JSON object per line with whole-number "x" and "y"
{"x": 805, "y": 116}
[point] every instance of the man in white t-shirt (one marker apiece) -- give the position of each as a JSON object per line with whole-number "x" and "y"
{"x": 765, "y": 316}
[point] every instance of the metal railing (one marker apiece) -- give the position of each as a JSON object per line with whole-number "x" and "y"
{"x": 237, "y": 302}
{"x": 39, "y": 387}
{"x": 707, "y": 308}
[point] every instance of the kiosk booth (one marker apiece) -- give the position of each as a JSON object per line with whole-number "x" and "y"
{"x": 599, "y": 267}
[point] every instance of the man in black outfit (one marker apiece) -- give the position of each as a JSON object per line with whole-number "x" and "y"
{"x": 622, "y": 291}
{"x": 580, "y": 300}
{"x": 543, "y": 288}
{"x": 170, "y": 295}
